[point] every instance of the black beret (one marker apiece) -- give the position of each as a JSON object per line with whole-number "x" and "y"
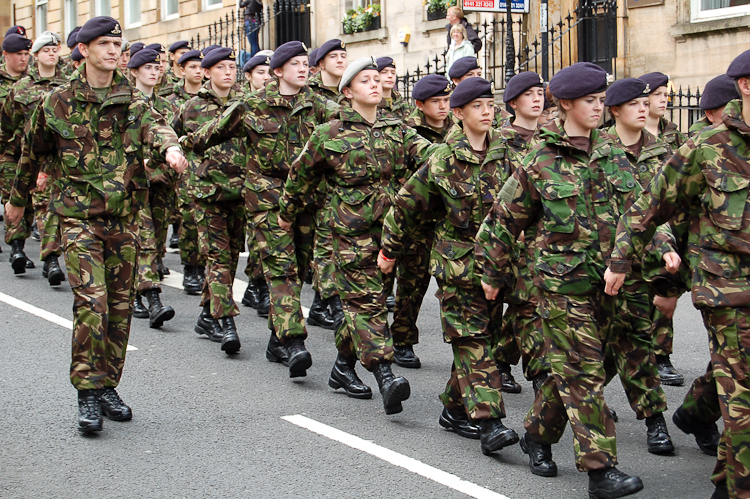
{"x": 463, "y": 66}
{"x": 286, "y": 52}
{"x": 72, "y": 37}
{"x": 431, "y": 86}
{"x": 258, "y": 60}
{"x": 384, "y": 62}
{"x": 209, "y": 49}
{"x": 136, "y": 47}
{"x": 99, "y": 26}
{"x": 718, "y": 92}
{"x": 157, "y": 47}
{"x": 655, "y": 80}
{"x": 190, "y": 55}
{"x": 182, "y": 44}
{"x": 578, "y": 80}
{"x": 16, "y": 43}
{"x": 330, "y": 46}
{"x": 470, "y": 89}
{"x": 145, "y": 56}
{"x": 76, "y": 55}
{"x": 16, "y": 30}
{"x": 740, "y": 66}
{"x": 625, "y": 90}
{"x": 218, "y": 55}
{"x": 521, "y": 83}
{"x": 314, "y": 57}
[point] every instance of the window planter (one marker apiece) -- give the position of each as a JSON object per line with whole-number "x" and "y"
{"x": 438, "y": 14}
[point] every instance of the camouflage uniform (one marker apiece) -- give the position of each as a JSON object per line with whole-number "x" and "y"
{"x": 98, "y": 181}
{"x": 398, "y": 107}
{"x": 452, "y": 193}
{"x": 698, "y": 126}
{"x": 216, "y": 179}
{"x": 363, "y": 165}
{"x": 708, "y": 177}
{"x": 276, "y": 130}
{"x": 6, "y": 85}
{"x": 573, "y": 198}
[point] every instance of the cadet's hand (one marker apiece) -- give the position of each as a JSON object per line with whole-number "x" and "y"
{"x": 176, "y": 161}
{"x": 386, "y": 266}
{"x": 490, "y": 292}
{"x": 665, "y": 305}
{"x": 41, "y": 181}
{"x": 672, "y": 262}
{"x": 286, "y": 226}
{"x": 13, "y": 214}
{"x": 613, "y": 282}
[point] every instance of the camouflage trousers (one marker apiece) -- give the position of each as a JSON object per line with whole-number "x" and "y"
{"x": 413, "y": 271}
{"x": 161, "y": 199}
{"x": 22, "y": 230}
{"x": 575, "y": 333}
{"x": 363, "y": 290}
{"x": 100, "y": 256}
{"x": 286, "y": 258}
{"x": 468, "y": 321}
{"x": 630, "y": 352}
{"x": 48, "y": 225}
{"x": 221, "y": 236}
{"x": 729, "y": 341}
{"x": 702, "y": 399}
{"x": 324, "y": 269}
{"x": 148, "y": 274}
{"x": 254, "y": 267}
{"x": 662, "y": 333}
{"x": 189, "y": 254}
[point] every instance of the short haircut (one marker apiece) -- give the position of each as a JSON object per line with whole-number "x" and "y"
{"x": 457, "y": 11}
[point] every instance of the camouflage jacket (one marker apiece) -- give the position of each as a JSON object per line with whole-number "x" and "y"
{"x": 166, "y": 87}
{"x": 95, "y": 149}
{"x": 669, "y": 134}
{"x": 698, "y": 126}
{"x": 179, "y": 95}
{"x": 571, "y": 199}
{"x": 316, "y": 85}
{"x": 398, "y": 108}
{"x": 6, "y": 82}
{"x": 456, "y": 188}
{"x": 216, "y": 173}
{"x": 161, "y": 172}
{"x": 653, "y": 154}
{"x": 363, "y": 164}
{"x": 708, "y": 177}
{"x": 418, "y": 122}
{"x": 16, "y": 111}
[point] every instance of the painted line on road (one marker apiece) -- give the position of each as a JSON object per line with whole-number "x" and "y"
{"x": 48, "y": 316}
{"x": 396, "y": 459}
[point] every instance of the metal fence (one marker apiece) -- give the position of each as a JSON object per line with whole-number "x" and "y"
{"x": 683, "y": 108}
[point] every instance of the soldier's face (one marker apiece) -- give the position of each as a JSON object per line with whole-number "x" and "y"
{"x": 48, "y": 56}
{"x": 435, "y": 109}
{"x": 632, "y": 114}
{"x": 586, "y": 111}
{"x": 335, "y": 63}
{"x": 124, "y": 59}
{"x": 17, "y": 62}
{"x": 162, "y": 64}
{"x": 193, "y": 72}
{"x": 294, "y": 72}
{"x": 388, "y": 78}
{"x": 102, "y": 53}
{"x": 470, "y": 74}
{"x": 223, "y": 74}
{"x": 365, "y": 89}
{"x": 477, "y": 115}
{"x": 529, "y": 105}
{"x": 147, "y": 75}
{"x": 259, "y": 76}
{"x": 659, "y": 100}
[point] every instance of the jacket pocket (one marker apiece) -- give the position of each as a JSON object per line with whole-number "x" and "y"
{"x": 356, "y": 208}
{"x": 457, "y": 197}
{"x": 74, "y": 141}
{"x": 726, "y": 198}
{"x": 559, "y": 202}
{"x": 452, "y": 262}
{"x": 564, "y": 273}
{"x": 347, "y": 157}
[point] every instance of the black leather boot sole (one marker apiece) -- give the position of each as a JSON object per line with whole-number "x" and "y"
{"x": 339, "y": 379}
{"x": 461, "y": 427}
{"x": 206, "y": 328}
{"x": 275, "y": 352}
{"x": 399, "y": 391}
{"x": 707, "y": 438}
{"x": 18, "y": 264}
{"x": 299, "y": 364}
{"x": 313, "y": 321}
{"x": 56, "y": 277}
{"x": 165, "y": 314}
{"x": 231, "y": 345}
{"x": 404, "y": 357}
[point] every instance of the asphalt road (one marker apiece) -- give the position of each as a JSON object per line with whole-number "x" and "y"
{"x": 206, "y": 425}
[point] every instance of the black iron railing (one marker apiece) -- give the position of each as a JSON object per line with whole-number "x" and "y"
{"x": 683, "y": 108}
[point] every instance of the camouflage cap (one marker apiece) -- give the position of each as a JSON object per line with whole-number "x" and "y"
{"x": 99, "y": 26}
{"x": 740, "y": 66}
{"x": 655, "y": 80}
{"x": 625, "y": 90}
{"x": 355, "y": 68}
{"x": 521, "y": 83}
{"x": 718, "y": 92}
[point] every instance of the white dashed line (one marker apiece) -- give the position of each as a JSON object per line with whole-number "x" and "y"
{"x": 396, "y": 459}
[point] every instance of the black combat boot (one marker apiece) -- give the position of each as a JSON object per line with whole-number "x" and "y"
{"x": 494, "y": 436}
{"x": 393, "y": 390}
{"x": 720, "y": 491}
{"x": 459, "y": 422}
{"x": 337, "y": 311}
{"x": 706, "y": 433}
{"x": 158, "y": 313}
{"x": 319, "y": 315}
{"x": 657, "y": 436}
{"x": 509, "y": 382}
{"x": 139, "y": 311}
{"x": 35, "y": 232}
{"x": 52, "y": 272}
{"x": 344, "y": 376}
{"x": 174, "y": 241}
{"x": 537, "y": 382}
{"x": 230, "y": 343}
{"x": 540, "y": 456}
{"x": 276, "y": 352}
{"x": 113, "y": 407}
{"x": 209, "y": 326}
{"x": 404, "y": 356}
{"x": 18, "y": 259}
{"x": 667, "y": 373}
{"x": 390, "y": 303}
{"x": 89, "y": 412}
{"x": 610, "y": 483}
{"x": 250, "y": 299}
{"x": 264, "y": 299}
{"x": 200, "y": 274}
{"x": 190, "y": 282}
{"x": 299, "y": 358}
{"x": 161, "y": 269}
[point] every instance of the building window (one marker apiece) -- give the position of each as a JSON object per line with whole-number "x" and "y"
{"x": 41, "y": 17}
{"x": 71, "y": 16}
{"x": 132, "y": 13}
{"x": 355, "y": 4}
{"x": 708, "y": 10}
{"x": 211, "y": 4}
{"x": 103, "y": 8}
{"x": 170, "y": 9}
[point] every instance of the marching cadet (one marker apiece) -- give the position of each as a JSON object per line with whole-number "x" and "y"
{"x": 313, "y": 62}
{"x": 431, "y": 116}
{"x": 393, "y": 102}
{"x": 216, "y": 180}
{"x": 363, "y": 160}
{"x": 276, "y": 123}
{"x": 162, "y": 50}
{"x": 257, "y": 73}
{"x": 464, "y": 68}
{"x": 708, "y": 178}
{"x": 96, "y": 123}
{"x": 716, "y": 95}
{"x": 564, "y": 196}
{"x": 632, "y": 344}
{"x": 332, "y": 63}
{"x": 76, "y": 58}
{"x": 144, "y": 68}
{"x": 452, "y": 193}
{"x": 122, "y": 64}
{"x": 136, "y": 47}
{"x": 172, "y": 74}
{"x": 69, "y": 64}
{"x": 21, "y": 102}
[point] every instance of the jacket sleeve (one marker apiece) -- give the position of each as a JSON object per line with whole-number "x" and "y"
{"x": 305, "y": 175}
{"x": 159, "y": 135}
{"x": 38, "y": 146}
{"x": 228, "y": 125}
{"x": 471, "y": 34}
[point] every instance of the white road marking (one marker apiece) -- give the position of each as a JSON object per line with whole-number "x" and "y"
{"x": 396, "y": 459}
{"x": 48, "y": 316}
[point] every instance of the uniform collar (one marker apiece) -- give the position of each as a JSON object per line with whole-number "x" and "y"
{"x": 121, "y": 91}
